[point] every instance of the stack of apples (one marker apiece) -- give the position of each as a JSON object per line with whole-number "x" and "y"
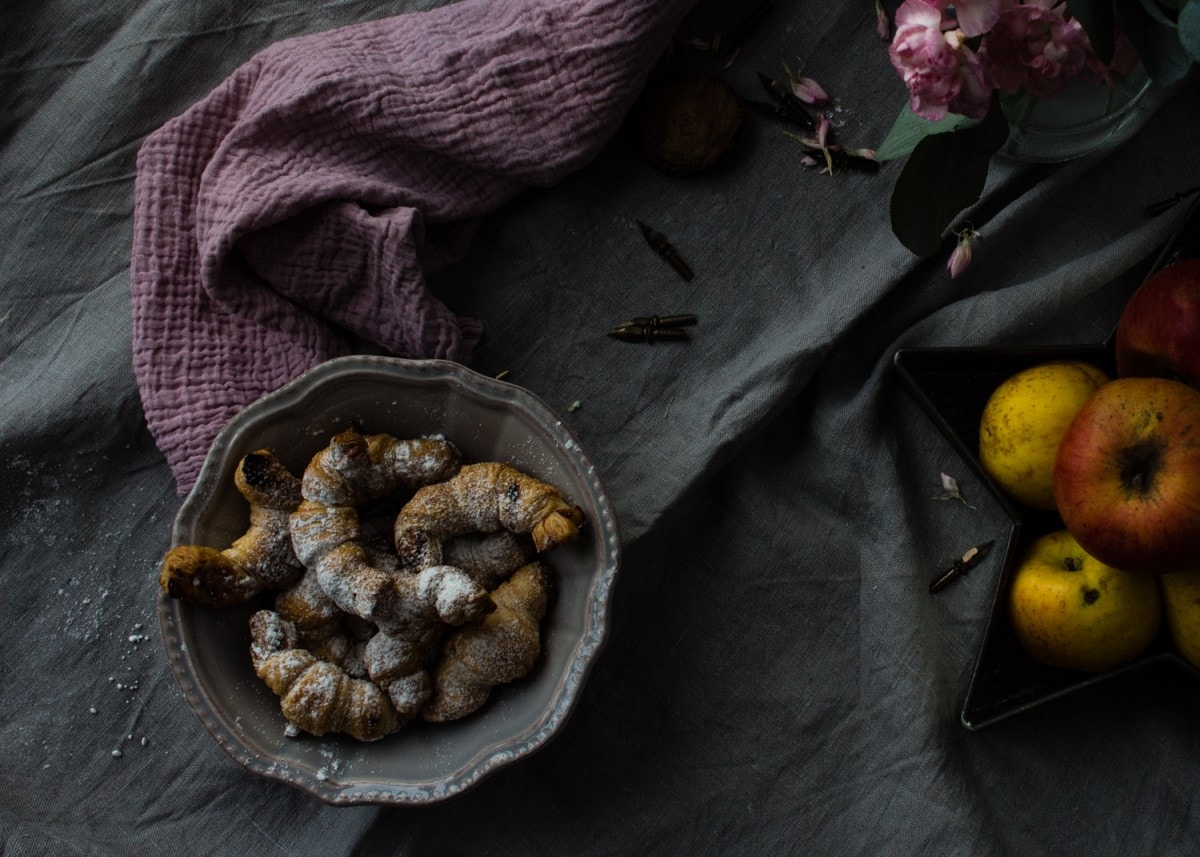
{"x": 1119, "y": 461}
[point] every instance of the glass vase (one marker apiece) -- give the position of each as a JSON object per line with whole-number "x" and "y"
{"x": 1083, "y": 119}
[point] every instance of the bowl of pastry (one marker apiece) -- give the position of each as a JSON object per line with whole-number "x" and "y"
{"x": 390, "y": 580}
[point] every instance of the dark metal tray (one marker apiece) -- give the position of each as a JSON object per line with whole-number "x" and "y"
{"x": 953, "y": 386}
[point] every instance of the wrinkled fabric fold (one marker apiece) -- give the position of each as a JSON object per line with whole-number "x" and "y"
{"x": 302, "y": 202}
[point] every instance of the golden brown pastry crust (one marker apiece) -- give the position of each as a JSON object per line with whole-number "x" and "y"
{"x": 346, "y": 576}
{"x": 348, "y": 645}
{"x": 355, "y": 468}
{"x": 500, "y": 648}
{"x": 262, "y": 558}
{"x": 488, "y": 558}
{"x": 316, "y": 696}
{"x": 322, "y": 628}
{"x": 485, "y": 497}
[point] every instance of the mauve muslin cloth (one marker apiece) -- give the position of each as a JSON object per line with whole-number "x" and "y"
{"x": 307, "y": 196}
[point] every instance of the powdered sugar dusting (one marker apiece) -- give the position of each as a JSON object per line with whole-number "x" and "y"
{"x": 488, "y": 558}
{"x": 402, "y": 616}
{"x": 457, "y": 594}
{"x": 409, "y": 693}
{"x": 310, "y": 700}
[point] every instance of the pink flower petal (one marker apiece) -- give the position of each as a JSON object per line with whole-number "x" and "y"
{"x": 822, "y": 130}
{"x": 943, "y": 74}
{"x": 809, "y": 91}
{"x": 976, "y": 17}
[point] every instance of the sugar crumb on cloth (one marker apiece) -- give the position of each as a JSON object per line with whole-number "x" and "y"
{"x": 307, "y": 196}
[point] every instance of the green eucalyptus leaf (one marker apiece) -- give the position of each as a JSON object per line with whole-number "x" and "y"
{"x": 1159, "y": 45}
{"x": 1099, "y": 22}
{"x": 909, "y": 129}
{"x": 944, "y": 174}
{"x": 1189, "y": 28}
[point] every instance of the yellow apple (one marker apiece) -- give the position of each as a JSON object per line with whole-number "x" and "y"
{"x": 1181, "y": 597}
{"x": 1071, "y": 610}
{"x": 1024, "y": 421}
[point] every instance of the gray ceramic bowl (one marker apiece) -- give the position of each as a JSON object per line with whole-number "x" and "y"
{"x": 208, "y": 648}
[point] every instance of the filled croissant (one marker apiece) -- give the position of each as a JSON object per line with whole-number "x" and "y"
{"x": 485, "y": 497}
{"x": 366, "y": 635}
{"x": 488, "y": 558}
{"x": 262, "y": 558}
{"x": 500, "y": 648}
{"x": 355, "y": 468}
{"x": 316, "y": 696}
{"x": 408, "y": 608}
{"x": 327, "y": 535}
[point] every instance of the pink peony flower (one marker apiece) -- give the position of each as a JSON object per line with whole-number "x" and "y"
{"x": 976, "y": 17}
{"x": 942, "y": 74}
{"x": 1034, "y": 46}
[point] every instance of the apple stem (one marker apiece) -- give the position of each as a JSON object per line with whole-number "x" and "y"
{"x": 1072, "y": 564}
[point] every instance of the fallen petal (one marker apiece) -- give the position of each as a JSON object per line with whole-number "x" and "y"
{"x": 809, "y": 91}
{"x": 883, "y": 25}
{"x": 822, "y": 130}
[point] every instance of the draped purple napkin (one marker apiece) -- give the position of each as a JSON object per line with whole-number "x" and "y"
{"x": 307, "y": 196}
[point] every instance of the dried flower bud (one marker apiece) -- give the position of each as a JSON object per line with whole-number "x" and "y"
{"x": 960, "y": 258}
{"x": 952, "y": 492}
{"x": 883, "y": 26}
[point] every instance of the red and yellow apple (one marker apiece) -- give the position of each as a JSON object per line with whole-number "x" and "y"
{"x": 1071, "y": 610}
{"x": 1181, "y": 602}
{"x": 1024, "y": 421}
{"x": 1159, "y": 330}
{"x": 1127, "y": 475}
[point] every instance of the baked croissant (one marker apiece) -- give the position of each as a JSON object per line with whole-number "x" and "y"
{"x": 428, "y": 602}
{"x": 316, "y": 696}
{"x": 484, "y": 497}
{"x": 501, "y": 648}
{"x": 322, "y": 628}
{"x": 262, "y": 558}
{"x": 327, "y": 541}
{"x": 396, "y": 660}
{"x": 488, "y": 558}
{"x": 397, "y": 666}
{"x": 355, "y": 468}
{"x": 327, "y": 535}
{"x": 409, "y": 610}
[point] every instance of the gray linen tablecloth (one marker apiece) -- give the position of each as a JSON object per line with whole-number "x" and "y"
{"x": 778, "y": 678}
